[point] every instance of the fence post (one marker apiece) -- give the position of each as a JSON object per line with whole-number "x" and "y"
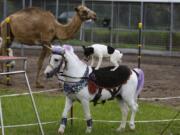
{"x": 171, "y": 29}
{"x": 111, "y": 24}
{"x": 1, "y": 118}
{"x": 139, "y": 43}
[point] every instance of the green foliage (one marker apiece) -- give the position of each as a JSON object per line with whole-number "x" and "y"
{"x": 152, "y": 40}
{"x": 18, "y": 110}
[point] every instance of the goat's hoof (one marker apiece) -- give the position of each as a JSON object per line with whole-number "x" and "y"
{"x": 114, "y": 69}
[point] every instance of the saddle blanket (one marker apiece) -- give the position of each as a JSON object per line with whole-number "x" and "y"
{"x": 105, "y": 78}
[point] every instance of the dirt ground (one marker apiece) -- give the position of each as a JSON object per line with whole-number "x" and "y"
{"x": 162, "y": 75}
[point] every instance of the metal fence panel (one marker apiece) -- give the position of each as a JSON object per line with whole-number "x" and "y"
{"x": 117, "y": 26}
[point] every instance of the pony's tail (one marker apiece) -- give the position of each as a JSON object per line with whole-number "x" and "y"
{"x": 140, "y": 85}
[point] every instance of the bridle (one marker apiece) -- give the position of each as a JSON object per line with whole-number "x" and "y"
{"x": 56, "y": 70}
{"x": 85, "y": 76}
{"x": 60, "y": 74}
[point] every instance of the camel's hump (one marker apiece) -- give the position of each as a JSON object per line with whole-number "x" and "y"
{"x": 33, "y": 11}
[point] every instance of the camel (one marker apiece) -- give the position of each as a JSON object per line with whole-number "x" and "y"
{"x": 34, "y": 26}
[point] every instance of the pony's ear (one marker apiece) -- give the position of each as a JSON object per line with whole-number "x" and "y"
{"x": 58, "y": 50}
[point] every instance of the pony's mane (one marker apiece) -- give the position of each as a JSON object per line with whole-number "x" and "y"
{"x": 61, "y": 49}
{"x": 68, "y": 48}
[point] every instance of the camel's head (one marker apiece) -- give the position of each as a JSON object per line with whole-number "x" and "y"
{"x": 85, "y": 13}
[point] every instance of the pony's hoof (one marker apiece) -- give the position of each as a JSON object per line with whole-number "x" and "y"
{"x": 38, "y": 85}
{"x": 96, "y": 68}
{"x": 120, "y": 129}
{"x": 88, "y": 130}
{"x": 132, "y": 126}
{"x": 61, "y": 130}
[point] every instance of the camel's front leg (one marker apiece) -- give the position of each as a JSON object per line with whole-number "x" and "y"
{"x": 85, "y": 104}
{"x": 63, "y": 123}
{"x": 40, "y": 64}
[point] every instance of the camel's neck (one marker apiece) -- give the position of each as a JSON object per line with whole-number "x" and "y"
{"x": 67, "y": 31}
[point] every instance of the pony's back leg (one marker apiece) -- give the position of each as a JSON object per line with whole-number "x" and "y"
{"x": 124, "y": 109}
{"x": 134, "y": 107}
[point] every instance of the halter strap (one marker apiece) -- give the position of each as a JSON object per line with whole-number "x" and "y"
{"x": 75, "y": 87}
{"x": 84, "y": 77}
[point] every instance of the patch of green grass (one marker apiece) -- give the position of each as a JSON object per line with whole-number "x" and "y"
{"x": 18, "y": 110}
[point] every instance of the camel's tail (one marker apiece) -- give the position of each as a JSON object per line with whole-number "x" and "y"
{"x": 1, "y": 40}
{"x": 0, "y": 29}
{"x": 5, "y": 34}
{"x": 140, "y": 85}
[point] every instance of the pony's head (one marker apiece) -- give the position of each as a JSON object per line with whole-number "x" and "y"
{"x": 56, "y": 61}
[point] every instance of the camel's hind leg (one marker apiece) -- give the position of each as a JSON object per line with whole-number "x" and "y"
{"x": 40, "y": 64}
{"x": 124, "y": 110}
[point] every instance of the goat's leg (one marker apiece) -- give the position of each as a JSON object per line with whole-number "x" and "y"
{"x": 92, "y": 61}
{"x": 85, "y": 104}
{"x": 114, "y": 61}
{"x": 63, "y": 123}
{"x": 99, "y": 62}
{"x": 124, "y": 110}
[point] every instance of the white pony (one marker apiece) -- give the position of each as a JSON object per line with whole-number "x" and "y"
{"x": 75, "y": 75}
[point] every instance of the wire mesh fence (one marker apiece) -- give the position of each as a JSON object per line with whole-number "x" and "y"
{"x": 116, "y": 23}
